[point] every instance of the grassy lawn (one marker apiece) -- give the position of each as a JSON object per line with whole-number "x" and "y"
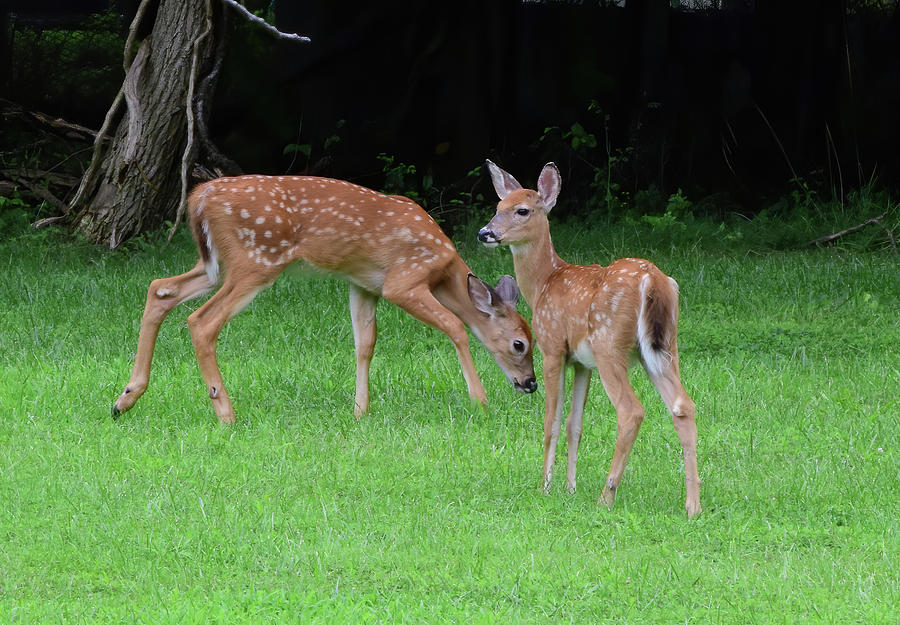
{"x": 427, "y": 510}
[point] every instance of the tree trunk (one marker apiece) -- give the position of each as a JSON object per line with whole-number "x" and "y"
{"x": 138, "y": 185}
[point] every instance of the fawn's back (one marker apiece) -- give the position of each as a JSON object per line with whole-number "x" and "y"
{"x": 332, "y": 225}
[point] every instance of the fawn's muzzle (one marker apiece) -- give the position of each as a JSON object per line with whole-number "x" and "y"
{"x": 485, "y": 235}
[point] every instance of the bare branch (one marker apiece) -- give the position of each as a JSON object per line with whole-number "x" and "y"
{"x": 62, "y": 180}
{"x": 97, "y": 156}
{"x": 837, "y": 235}
{"x": 188, "y": 156}
{"x": 58, "y": 125}
{"x": 128, "y": 58}
{"x": 212, "y": 154}
{"x": 266, "y": 25}
{"x": 43, "y": 193}
{"x": 47, "y": 221}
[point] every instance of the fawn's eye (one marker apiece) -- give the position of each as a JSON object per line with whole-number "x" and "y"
{"x": 522, "y": 212}
{"x": 519, "y": 346}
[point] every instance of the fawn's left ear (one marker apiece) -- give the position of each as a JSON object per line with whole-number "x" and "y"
{"x": 504, "y": 183}
{"x": 549, "y": 184}
{"x": 508, "y": 290}
{"x": 484, "y": 298}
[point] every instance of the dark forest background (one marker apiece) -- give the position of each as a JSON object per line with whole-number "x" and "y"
{"x": 731, "y": 104}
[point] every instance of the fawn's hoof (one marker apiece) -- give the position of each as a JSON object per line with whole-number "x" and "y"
{"x": 607, "y": 497}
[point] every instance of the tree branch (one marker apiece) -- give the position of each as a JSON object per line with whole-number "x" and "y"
{"x": 58, "y": 125}
{"x": 188, "y": 156}
{"x": 264, "y": 24}
{"x": 837, "y": 235}
{"x": 212, "y": 154}
{"x": 42, "y": 192}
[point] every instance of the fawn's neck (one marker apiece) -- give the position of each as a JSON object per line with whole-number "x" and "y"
{"x": 453, "y": 293}
{"x": 534, "y": 261}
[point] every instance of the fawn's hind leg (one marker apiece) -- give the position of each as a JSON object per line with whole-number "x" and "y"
{"x": 574, "y": 425}
{"x": 668, "y": 383}
{"x": 629, "y": 416}
{"x": 206, "y": 322}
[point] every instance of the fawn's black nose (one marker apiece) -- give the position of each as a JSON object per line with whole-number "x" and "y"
{"x": 528, "y": 386}
{"x": 486, "y": 236}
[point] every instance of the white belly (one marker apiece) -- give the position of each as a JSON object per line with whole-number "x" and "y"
{"x": 583, "y": 355}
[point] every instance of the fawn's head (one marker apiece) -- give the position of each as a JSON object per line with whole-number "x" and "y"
{"x": 521, "y": 213}
{"x": 503, "y": 331}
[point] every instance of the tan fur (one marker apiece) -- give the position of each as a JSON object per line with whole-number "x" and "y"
{"x": 384, "y": 245}
{"x": 593, "y": 318}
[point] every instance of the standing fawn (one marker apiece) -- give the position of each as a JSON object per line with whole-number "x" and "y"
{"x": 593, "y": 318}
{"x": 384, "y": 245}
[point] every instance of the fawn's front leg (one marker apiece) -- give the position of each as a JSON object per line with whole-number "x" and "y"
{"x": 420, "y": 302}
{"x": 362, "y": 314}
{"x": 554, "y": 389}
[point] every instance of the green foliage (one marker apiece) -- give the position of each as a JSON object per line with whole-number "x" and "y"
{"x": 603, "y": 196}
{"x": 398, "y": 176}
{"x": 607, "y": 165}
{"x": 306, "y": 149}
{"x": 427, "y": 510}
{"x": 579, "y": 138}
{"x": 267, "y": 13}
{"x": 453, "y": 204}
{"x": 678, "y": 211}
{"x": 14, "y": 215}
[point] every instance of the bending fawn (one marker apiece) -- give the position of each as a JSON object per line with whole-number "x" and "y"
{"x": 385, "y": 245}
{"x": 593, "y": 318}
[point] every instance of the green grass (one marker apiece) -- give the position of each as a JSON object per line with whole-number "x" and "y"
{"x": 427, "y": 510}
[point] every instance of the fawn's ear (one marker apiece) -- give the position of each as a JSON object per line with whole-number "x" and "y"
{"x": 508, "y": 290}
{"x": 549, "y": 184}
{"x": 504, "y": 183}
{"x": 484, "y": 298}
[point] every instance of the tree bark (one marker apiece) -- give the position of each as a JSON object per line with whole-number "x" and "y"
{"x": 138, "y": 184}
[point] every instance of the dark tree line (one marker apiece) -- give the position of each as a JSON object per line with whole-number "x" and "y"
{"x": 742, "y": 102}
{"x": 737, "y": 101}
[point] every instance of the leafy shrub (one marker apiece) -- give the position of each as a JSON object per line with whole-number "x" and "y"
{"x": 14, "y": 215}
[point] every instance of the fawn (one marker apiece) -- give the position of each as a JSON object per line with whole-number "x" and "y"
{"x": 384, "y": 245}
{"x": 593, "y": 318}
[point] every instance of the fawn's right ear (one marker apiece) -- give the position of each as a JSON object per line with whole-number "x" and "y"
{"x": 504, "y": 183}
{"x": 549, "y": 184}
